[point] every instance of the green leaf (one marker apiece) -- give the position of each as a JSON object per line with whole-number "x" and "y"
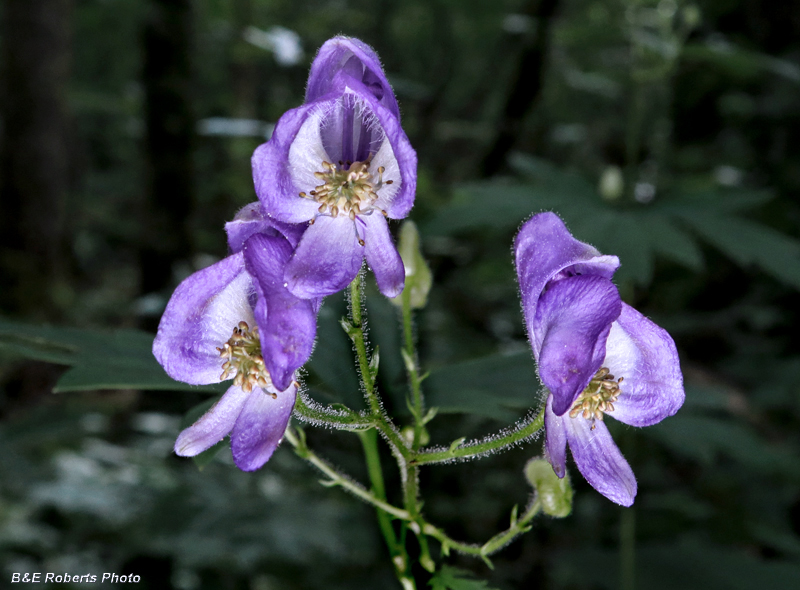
{"x": 374, "y": 362}
{"x": 452, "y": 578}
{"x": 750, "y": 243}
{"x": 704, "y": 438}
{"x": 121, "y": 359}
{"x": 332, "y": 361}
{"x": 497, "y": 386}
{"x": 457, "y": 443}
{"x": 679, "y": 564}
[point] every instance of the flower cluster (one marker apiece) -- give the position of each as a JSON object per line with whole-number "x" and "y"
{"x": 596, "y": 355}
{"x": 334, "y": 170}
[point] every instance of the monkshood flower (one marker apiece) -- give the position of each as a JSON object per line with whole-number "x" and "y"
{"x": 595, "y": 354}
{"x": 236, "y": 320}
{"x": 342, "y": 164}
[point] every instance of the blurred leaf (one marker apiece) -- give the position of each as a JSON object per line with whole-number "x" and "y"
{"x": 715, "y": 201}
{"x": 739, "y": 62}
{"x": 122, "y": 359}
{"x": 452, "y": 578}
{"x": 497, "y": 386}
{"x": 686, "y": 563}
{"x": 703, "y": 438}
{"x": 750, "y": 243}
{"x": 636, "y": 234}
{"x": 385, "y": 333}
{"x": 332, "y": 360}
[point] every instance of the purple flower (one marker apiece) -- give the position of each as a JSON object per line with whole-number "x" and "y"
{"x": 595, "y": 354}
{"x": 342, "y": 164}
{"x": 235, "y": 319}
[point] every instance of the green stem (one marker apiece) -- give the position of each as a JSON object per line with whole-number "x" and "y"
{"x": 397, "y": 551}
{"x": 494, "y": 544}
{"x": 504, "y": 439}
{"x": 417, "y": 523}
{"x": 411, "y": 496}
{"x": 382, "y": 422}
{"x": 412, "y": 368}
{"x": 339, "y": 417}
{"x": 627, "y": 549}
{"x": 357, "y": 336}
{"x": 338, "y": 479}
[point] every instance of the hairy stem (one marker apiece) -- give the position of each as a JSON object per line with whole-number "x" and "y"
{"x": 370, "y": 441}
{"x": 504, "y": 439}
{"x": 338, "y": 417}
{"x": 397, "y": 550}
{"x": 338, "y": 479}
{"x": 412, "y": 368}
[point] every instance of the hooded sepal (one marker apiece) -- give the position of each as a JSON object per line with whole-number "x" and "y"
{"x": 200, "y": 317}
{"x": 287, "y": 325}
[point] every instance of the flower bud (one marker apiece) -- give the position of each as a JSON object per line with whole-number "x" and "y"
{"x": 554, "y": 493}
{"x": 418, "y": 275}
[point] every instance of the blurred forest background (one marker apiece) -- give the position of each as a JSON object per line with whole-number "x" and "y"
{"x": 662, "y": 131}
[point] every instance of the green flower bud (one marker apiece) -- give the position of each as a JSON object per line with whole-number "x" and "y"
{"x": 418, "y": 275}
{"x": 611, "y": 183}
{"x": 554, "y": 494}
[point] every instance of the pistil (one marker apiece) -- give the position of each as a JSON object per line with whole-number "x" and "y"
{"x": 348, "y": 188}
{"x": 598, "y": 397}
{"x": 244, "y": 361}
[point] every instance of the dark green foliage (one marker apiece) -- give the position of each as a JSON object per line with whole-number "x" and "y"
{"x": 451, "y": 578}
{"x": 705, "y": 111}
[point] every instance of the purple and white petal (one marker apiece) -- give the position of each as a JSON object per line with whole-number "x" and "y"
{"x": 599, "y": 460}
{"x": 353, "y": 127}
{"x": 555, "y": 439}
{"x": 570, "y": 328}
{"x": 200, "y": 317}
{"x": 250, "y": 220}
{"x": 397, "y": 155}
{"x": 328, "y": 257}
{"x": 645, "y": 355}
{"x": 382, "y": 255}
{"x": 544, "y": 250}
{"x": 273, "y": 173}
{"x": 212, "y": 426}
{"x": 287, "y": 325}
{"x": 260, "y": 427}
{"x": 357, "y": 60}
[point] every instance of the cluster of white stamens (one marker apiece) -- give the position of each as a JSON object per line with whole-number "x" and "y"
{"x": 348, "y": 188}
{"x": 598, "y": 397}
{"x": 244, "y": 361}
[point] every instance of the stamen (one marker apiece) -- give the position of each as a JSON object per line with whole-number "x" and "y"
{"x": 244, "y": 361}
{"x": 598, "y": 397}
{"x": 347, "y": 188}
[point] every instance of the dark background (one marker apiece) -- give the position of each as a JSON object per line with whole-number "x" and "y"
{"x": 664, "y": 132}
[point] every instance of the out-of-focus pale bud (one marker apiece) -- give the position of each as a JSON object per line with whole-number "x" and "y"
{"x": 692, "y": 16}
{"x": 611, "y": 183}
{"x": 554, "y": 494}
{"x": 418, "y": 275}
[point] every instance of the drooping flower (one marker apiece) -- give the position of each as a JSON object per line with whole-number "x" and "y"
{"x": 236, "y": 320}
{"x": 342, "y": 164}
{"x": 596, "y": 355}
